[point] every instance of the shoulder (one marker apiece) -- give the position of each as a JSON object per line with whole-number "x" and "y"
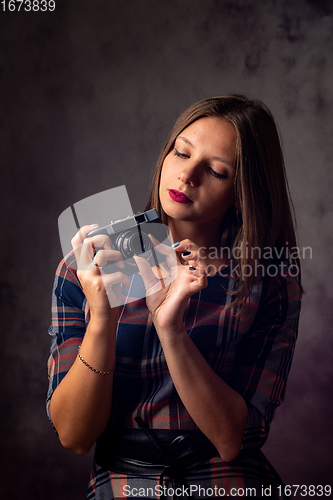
{"x": 67, "y": 286}
{"x": 66, "y": 269}
{"x": 281, "y": 284}
{"x": 279, "y": 305}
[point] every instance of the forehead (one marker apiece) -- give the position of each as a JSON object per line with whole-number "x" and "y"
{"x": 210, "y": 132}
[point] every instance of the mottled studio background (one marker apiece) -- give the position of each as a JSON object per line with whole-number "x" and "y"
{"x": 88, "y": 93}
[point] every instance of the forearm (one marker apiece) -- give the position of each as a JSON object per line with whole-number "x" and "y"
{"x": 218, "y": 410}
{"x": 81, "y": 404}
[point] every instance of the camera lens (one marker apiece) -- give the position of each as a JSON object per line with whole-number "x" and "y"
{"x": 134, "y": 242}
{"x": 140, "y": 245}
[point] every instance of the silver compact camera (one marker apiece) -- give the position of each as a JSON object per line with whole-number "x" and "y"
{"x": 130, "y": 237}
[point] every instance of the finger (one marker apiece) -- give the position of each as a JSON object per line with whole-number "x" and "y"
{"x": 195, "y": 261}
{"x": 197, "y": 271}
{"x": 101, "y": 241}
{"x": 165, "y": 250}
{"x": 188, "y": 247}
{"x": 185, "y": 245}
{"x": 151, "y": 283}
{"x": 78, "y": 239}
{"x": 198, "y": 284}
{"x": 192, "y": 254}
{"x": 102, "y": 257}
{"x": 196, "y": 277}
{"x": 110, "y": 280}
{"x": 86, "y": 259}
{"x": 189, "y": 251}
{"x": 162, "y": 270}
{"x": 80, "y": 236}
{"x": 160, "y": 247}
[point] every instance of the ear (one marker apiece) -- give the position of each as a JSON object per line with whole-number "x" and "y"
{"x": 238, "y": 209}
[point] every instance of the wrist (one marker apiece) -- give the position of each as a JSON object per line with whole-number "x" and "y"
{"x": 103, "y": 320}
{"x": 172, "y": 336}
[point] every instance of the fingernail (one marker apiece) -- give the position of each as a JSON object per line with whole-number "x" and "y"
{"x": 175, "y": 245}
{"x": 186, "y": 253}
{"x": 93, "y": 225}
{"x": 191, "y": 268}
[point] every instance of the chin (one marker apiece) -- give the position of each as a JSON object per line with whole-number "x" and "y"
{"x": 175, "y": 213}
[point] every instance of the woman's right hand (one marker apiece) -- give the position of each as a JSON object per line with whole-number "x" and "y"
{"x": 81, "y": 404}
{"x": 101, "y": 290}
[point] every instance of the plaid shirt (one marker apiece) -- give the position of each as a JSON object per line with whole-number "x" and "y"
{"x": 252, "y": 354}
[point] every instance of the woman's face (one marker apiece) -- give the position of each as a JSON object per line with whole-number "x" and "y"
{"x": 197, "y": 178}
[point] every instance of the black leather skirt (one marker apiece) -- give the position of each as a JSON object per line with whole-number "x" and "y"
{"x": 153, "y": 452}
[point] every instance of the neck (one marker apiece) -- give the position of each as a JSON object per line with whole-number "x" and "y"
{"x": 205, "y": 235}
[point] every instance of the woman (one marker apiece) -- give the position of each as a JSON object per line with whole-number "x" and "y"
{"x": 182, "y": 401}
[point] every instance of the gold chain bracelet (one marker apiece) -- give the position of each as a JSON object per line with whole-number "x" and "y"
{"x": 99, "y": 372}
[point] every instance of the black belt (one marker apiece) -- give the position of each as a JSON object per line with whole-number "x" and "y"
{"x": 166, "y": 453}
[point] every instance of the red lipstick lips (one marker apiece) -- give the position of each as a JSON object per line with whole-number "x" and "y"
{"x": 179, "y": 197}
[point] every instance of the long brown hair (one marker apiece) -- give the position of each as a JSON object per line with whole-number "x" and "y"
{"x": 264, "y": 214}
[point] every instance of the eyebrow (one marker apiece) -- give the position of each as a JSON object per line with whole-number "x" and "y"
{"x": 218, "y": 158}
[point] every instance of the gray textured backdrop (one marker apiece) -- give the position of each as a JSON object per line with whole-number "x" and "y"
{"x": 88, "y": 93}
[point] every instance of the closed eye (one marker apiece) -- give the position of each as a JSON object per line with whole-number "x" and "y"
{"x": 180, "y": 155}
{"x": 184, "y": 156}
{"x": 216, "y": 174}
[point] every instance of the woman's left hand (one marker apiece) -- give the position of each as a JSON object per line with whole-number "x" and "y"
{"x": 167, "y": 298}
{"x": 217, "y": 409}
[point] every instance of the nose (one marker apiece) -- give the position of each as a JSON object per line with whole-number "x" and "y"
{"x": 190, "y": 173}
